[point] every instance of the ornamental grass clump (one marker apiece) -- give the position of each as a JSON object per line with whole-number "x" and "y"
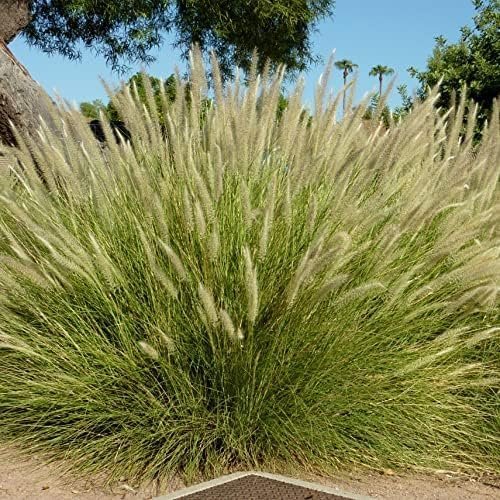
{"x": 230, "y": 290}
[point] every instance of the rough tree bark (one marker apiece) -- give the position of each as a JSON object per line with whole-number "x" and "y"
{"x": 22, "y": 100}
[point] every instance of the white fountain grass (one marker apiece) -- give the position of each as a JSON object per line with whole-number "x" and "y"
{"x": 234, "y": 290}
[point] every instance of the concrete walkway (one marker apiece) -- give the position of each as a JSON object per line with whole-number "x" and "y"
{"x": 263, "y": 486}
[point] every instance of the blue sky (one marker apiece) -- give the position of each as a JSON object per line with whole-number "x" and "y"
{"x": 397, "y": 33}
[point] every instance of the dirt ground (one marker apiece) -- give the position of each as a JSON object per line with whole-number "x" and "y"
{"x": 24, "y": 478}
{"x": 417, "y": 487}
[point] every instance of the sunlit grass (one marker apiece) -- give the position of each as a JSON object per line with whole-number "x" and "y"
{"x": 249, "y": 291}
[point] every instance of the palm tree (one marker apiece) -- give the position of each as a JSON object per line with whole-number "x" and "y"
{"x": 381, "y": 71}
{"x": 348, "y": 67}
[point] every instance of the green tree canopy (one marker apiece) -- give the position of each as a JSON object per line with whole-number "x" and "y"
{"x": 474, "y": 61}
{"x": 126, "y": 31}
{"x": 92, "y": 110}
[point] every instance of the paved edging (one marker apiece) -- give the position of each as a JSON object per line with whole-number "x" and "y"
{"x": 238, "y": 475}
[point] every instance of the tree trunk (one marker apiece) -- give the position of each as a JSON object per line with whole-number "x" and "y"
{"x": 14, "y": 16}
{"x": 380, "y": 91}
{"x": 343, "y": 95}
{"x": 22, "y": 100}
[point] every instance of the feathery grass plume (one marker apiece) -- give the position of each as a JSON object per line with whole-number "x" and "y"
{"x": 269, "y": 209}
{"x": 12, "y": 242}
{"x": 481, "y": 336}
{"x": 227, "y": 323}
{"x": 174, "y": 260}
{"x": 287, "y": 202}
{"x": 481, "y": 296}
{"x": 104, "y": 263}
{"x": 188, "y": 209}
{"x": 246, "y": 204}
{"x": 251, "y": 287}
{"x": 74, "y": 263}
{"x": 217, "y": 81}
{"x": 168, "y": 342}
{"x": 239, "y": 334}
{"x": 360, "y": 292}
{"x": 198, "y": 83}
{"x": 203, "y": 194}
{"x": 424, "y": 361}
{"x": 149, "y": 350}
{"x": 213, "y": 244}
{"x": 369, "y": 333}
{"x": 199, "y": 218}
{"x": 333, "y": 284}
{"x": 219, "y": 172}
{"x": 311, "y": 215}
{"x": 264, "y": 236}
{"x": 210, "y": 176}
{"x": 204, "y": 319}
{"x": 207, "y": 299}
{"x": 160, "y": 275}
{"x": 159, "y": 216}
{"x": 66, "y": 250}
{"x": 319, "y": 97}
{"x": 25, "y": 270}
{"x": 9, "y": 343}
{"x": 298, "y": 277}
